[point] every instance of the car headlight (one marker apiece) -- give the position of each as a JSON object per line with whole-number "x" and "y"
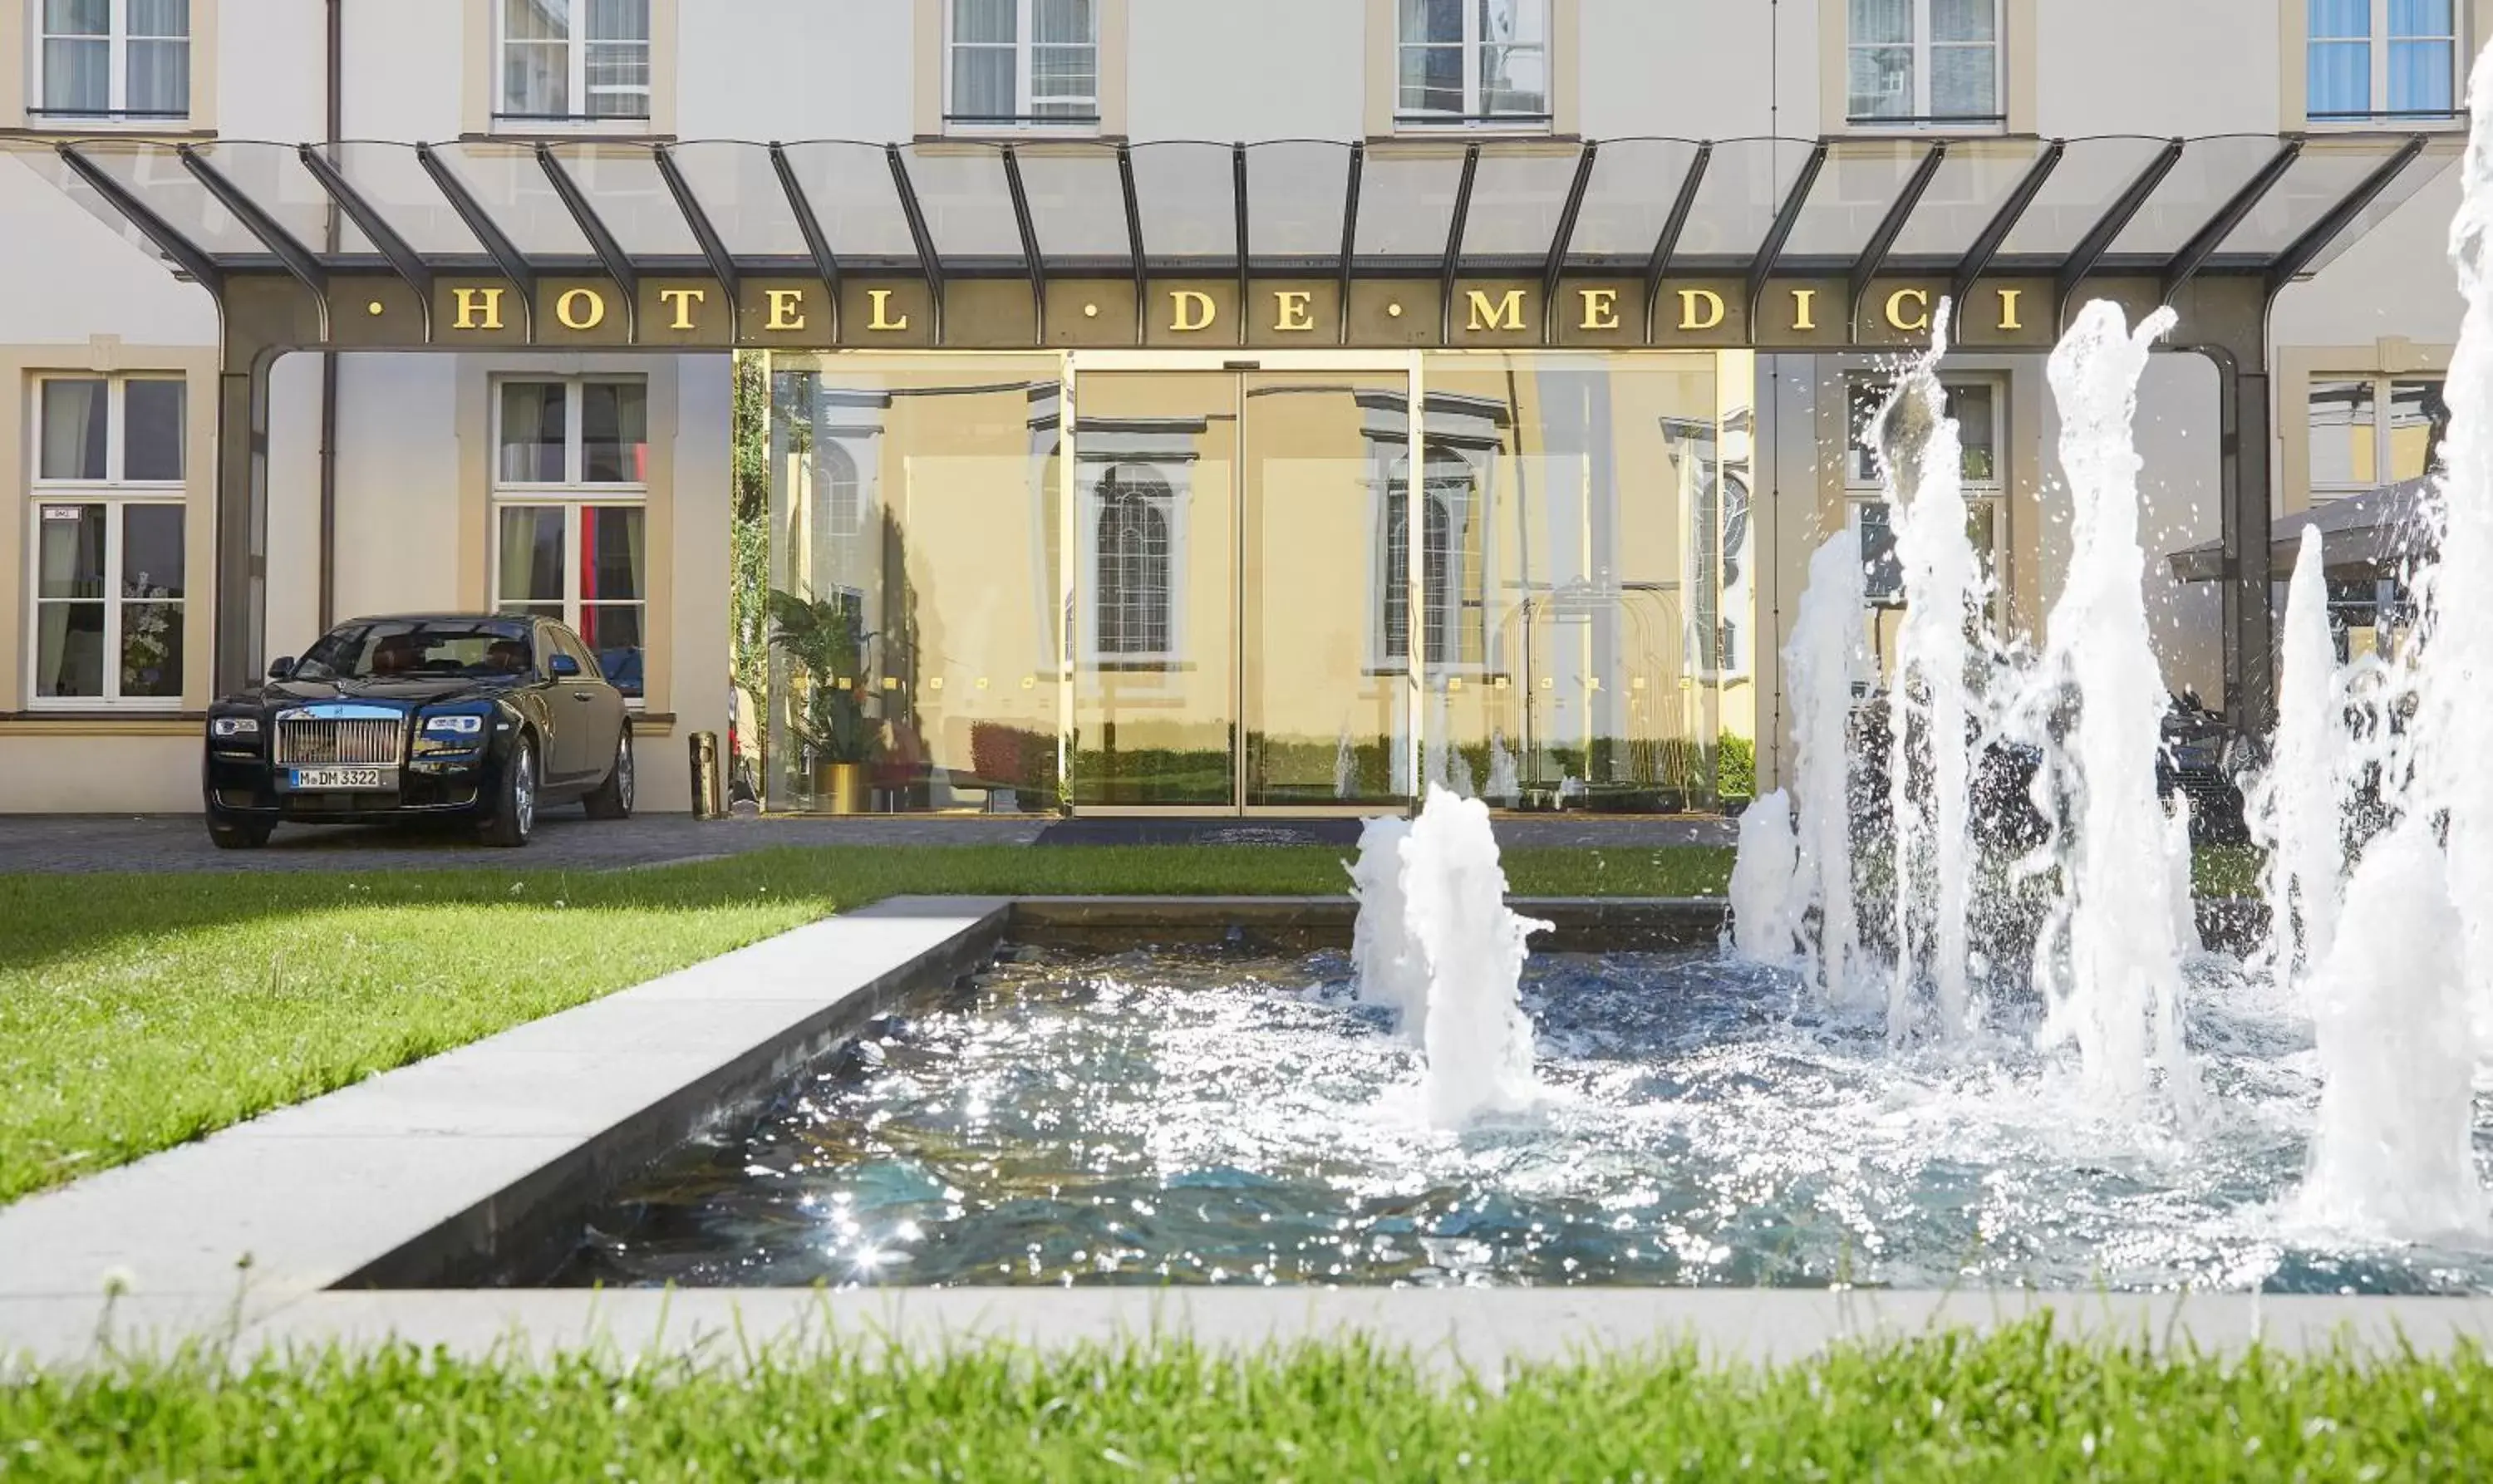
{"x": 234, "y": 727}
{"x": 452, "y": 725}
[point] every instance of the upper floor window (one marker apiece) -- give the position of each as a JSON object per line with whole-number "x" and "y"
{"x": 2372, "y": 430}
{"x": 2377, "y": 59}
{"x": 1016, "y": 61}
{"x": 570, "y": 60}
{"x": 108, "y": 597}
{"x": 1474, "y": 62}
{"x": 1923, "y": 62}
{"x": 112, "y": 59}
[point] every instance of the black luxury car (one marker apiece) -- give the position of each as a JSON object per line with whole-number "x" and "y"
{"x": 460, "y": 716}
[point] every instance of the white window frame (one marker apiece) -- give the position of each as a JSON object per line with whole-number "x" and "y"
{"x": 2379, "y": 56}
{"x": 117, "y": 81}
{"x": 2383, "y": 386}
{"x": 1862, "y": 489}
{"x": 1923, "y": 46}
{"x": 1024, "y": 49}
{"x": 576, "y": 56}
{"x": 116, "y": 493}
{"x": 1475, "y": 115}
{"x": 573, "y": 495}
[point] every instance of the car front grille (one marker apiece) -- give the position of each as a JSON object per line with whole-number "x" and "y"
{"x": 324, "y": 742}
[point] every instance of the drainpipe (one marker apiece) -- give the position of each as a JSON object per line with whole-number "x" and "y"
{"x": 336, "y": 104}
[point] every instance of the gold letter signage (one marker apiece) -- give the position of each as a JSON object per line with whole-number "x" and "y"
{"x": 1601, "y": 309}
{"x": 1190, "y": 310}
{"x": 2008, "y": 316}
{"x": 479, "y": 309}
{"x": 787, "y": 309}
{"x": 1919, "y": 317}
{"x": 879, "y": 301}
{"x": 580, "y": 309}
{"x": 1691, "y": 317}
{"x": 1804, "y": 308}
{"x": 1290, "y": 309}
{"x": 1505, "y": 314}
{"x": 682, "y": 299}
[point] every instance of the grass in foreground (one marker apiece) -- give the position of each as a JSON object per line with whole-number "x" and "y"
{"x": 2020, "y": 1405}
{"x": 137, "y": 1012}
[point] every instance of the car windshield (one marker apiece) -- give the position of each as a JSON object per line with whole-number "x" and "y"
{"x": 378, "y": 650}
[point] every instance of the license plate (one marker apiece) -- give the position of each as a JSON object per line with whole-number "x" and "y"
{"x": 305, "y": 779}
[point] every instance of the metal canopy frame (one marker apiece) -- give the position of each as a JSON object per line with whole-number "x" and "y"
{"x": 275, "y": 290}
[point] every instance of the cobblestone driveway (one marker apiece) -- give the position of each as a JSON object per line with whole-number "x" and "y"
{"x": 49, "y": 843}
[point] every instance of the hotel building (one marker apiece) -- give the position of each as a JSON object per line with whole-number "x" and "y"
{"x": 1009, "y": 405}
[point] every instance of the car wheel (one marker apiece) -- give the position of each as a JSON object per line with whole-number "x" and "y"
{"x": 515, "y": 811}
{"x": 239, "y": 837}
{"x": 612, "y": 798}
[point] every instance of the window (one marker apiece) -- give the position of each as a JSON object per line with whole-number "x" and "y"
{"x": 1473, "y": 62}
{"x": 2367, "y": 432}
{"x": 112, "y": 59}
{"x": 1017, "y": 62}
{"x": 1976, "y": 408}
{"x": 570, "y": 485}
{"x": 1446, "y": 575}
{"x": 1923, "y": 62}
{"x": 108, "y": 591}
{"x": 568, "y": 60}
{"x": 841, "y": 512}
{"x": 2373, "y": 59}
{"x": 1133, "y": 564}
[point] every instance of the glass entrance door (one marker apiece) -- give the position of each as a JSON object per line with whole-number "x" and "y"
{"x": 1241, "y": 581}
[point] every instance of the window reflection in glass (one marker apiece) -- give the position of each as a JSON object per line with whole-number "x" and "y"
{"x": 2342, "y": 419}
{"x": 615, "y": 433}
{"x": 533, "y": 431}
{"x": 74, "y": 422}
{"x": 151, "y": 431}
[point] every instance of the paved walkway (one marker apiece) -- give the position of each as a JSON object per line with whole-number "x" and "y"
{"x": 52, "y": 843}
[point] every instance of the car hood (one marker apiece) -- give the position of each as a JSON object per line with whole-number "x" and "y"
{"x": 409, "y": 693}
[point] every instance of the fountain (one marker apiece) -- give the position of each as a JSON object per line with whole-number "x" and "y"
{"x": 1930, "y": 712}
{"x": 1233, "y": 1113}
{"x": 2296, "y": 808}
{"x": 1451, "y": 963}
{"x": 1824, "y": 653}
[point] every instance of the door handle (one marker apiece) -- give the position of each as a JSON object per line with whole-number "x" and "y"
{"x": 581, "y": 695}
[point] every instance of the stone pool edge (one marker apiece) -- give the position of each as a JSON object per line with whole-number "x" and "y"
{"x": 436, "y": 1173}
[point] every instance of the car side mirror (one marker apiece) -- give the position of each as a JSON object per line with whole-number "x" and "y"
{"x": 562, "y": 667}
{"x": 282, "y": 668}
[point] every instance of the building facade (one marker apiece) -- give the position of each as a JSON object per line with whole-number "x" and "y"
{"x": 1206, "y": 593}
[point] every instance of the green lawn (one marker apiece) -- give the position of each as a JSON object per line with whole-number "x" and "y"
{"x": 2019, "y": 1405}
{"x": 137, "y": 1012}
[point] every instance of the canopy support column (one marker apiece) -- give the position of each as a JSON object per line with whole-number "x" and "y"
{"x": 242, "y": 523}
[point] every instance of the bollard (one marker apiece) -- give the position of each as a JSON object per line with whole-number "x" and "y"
{"x": 708, "y": 800}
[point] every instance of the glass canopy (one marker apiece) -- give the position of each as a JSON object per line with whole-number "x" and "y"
{"x": 2276, "y": 205}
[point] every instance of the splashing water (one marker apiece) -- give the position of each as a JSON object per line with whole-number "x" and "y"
{"x": 2109, "y": 959}
{"x": 1766, "y": 905}
{"x": 1824, "y": 653}
{"x": 2394, "y": 1152}
{"x": 1436, "y": 942}
{"x": 1930, "y": 710}
{"x": 2454, "y": 694}
{"x": 1388, "y": 965}
{"x": 2295, "y": 808}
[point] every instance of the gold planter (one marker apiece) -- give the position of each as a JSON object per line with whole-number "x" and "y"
{"x": 839, "y": 787}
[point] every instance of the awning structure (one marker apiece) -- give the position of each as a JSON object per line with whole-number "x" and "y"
{"x": 2378, "y": 533}
{"x": 943, "y": 225}
{"x": 1776, "y": 244}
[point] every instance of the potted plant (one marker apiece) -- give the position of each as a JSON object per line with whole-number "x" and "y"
{"x": 825, "y": 640}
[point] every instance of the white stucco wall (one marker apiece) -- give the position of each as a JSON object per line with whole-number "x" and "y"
{"x": 798, "y": 69}
{"x": 1278, "y": 69}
